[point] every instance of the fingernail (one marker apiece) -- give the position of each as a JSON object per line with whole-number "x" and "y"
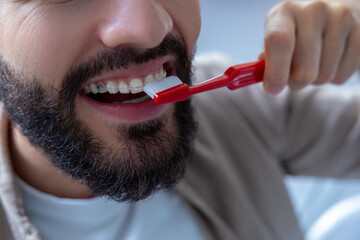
{"x": 296, "y": 86}
{"x": 275, "y": 90}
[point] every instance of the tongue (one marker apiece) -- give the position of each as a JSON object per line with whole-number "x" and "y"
{"x": 118, "y": 98}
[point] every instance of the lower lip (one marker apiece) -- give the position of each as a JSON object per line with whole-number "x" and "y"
{"x": 127, "y": 112}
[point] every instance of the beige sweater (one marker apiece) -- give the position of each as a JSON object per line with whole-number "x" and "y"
{"x": 247, "y": 142}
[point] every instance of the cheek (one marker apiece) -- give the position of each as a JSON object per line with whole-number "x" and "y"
{"x": 187, "y": 20}
{"x": 45, "y": 43}
{"x": 42, "y": 44}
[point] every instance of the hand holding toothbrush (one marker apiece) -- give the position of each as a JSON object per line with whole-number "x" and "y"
{"x": 311, "y": 42}
{"x": 306, "y": 42}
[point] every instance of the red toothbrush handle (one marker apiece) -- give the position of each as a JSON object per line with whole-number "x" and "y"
{"x": 175, "y": 94}
{"x": 235, "y": 77}
{"x": 242, "y": 75}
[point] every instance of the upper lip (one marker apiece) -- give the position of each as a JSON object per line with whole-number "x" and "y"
{"x": 135, "y": 71}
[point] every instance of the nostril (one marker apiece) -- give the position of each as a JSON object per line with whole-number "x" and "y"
{"x": 140, "y": 24}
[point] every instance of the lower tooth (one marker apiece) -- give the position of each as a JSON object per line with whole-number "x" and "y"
{"x": 137, "y": 100}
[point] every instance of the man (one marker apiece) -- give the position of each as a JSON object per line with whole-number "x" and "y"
{"x": 76, "y": 126}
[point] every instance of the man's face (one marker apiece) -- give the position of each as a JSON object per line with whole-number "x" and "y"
{"x": 56, "y": 55}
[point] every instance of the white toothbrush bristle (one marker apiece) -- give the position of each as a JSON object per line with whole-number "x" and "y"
{"x": 153, "y": 88}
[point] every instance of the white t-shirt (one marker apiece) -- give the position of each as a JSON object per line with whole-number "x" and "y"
{"x": 161, "y": 217}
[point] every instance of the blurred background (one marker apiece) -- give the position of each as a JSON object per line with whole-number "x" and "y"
{"x": 327, "y": 209}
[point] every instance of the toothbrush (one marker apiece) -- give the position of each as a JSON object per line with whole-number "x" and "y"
{"x": 172, "y": 89}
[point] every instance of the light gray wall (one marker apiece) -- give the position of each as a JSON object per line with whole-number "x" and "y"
{"x": 235, "y": 27}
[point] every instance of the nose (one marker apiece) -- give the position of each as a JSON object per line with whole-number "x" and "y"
{"x": 136, "y": 23}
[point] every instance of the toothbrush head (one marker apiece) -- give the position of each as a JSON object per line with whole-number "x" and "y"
{"x": 153, "y": 88}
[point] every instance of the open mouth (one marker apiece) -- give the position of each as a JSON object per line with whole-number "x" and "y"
{"x": 117, "y": 91}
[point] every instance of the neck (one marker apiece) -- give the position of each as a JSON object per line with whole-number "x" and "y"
{"x": 33, "y": 167}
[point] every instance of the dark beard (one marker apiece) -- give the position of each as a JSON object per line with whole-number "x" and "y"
{"x": 150, "y": 157}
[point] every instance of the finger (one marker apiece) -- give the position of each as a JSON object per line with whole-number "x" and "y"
{"x": 339, "y": 24}
{"x": 307, "y": 54}
{"x": 279, "y": 45}
{"x": 351, "y": 59}
{"x": 261, "y": 56}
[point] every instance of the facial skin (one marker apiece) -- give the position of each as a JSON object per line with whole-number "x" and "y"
{"x": 48, "y": 52}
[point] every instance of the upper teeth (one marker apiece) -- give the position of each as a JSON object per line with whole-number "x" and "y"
{"x": 136, "y": 85}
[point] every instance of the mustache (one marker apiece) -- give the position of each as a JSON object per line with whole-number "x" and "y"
{"x": 122, "y": 58}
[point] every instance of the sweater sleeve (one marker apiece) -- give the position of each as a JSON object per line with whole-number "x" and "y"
{"x": 315, "y": 131}
{"x": 322, "y": 133}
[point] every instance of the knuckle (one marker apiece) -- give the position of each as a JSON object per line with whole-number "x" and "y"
{"x": 280, "y": 38}
{"x": 303, "y": 75}
{"x": 287, "y": 5}
{"x": 345, "y": 15}
{"x": 316, "y": 8}
{"x": 284, "y": 6}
